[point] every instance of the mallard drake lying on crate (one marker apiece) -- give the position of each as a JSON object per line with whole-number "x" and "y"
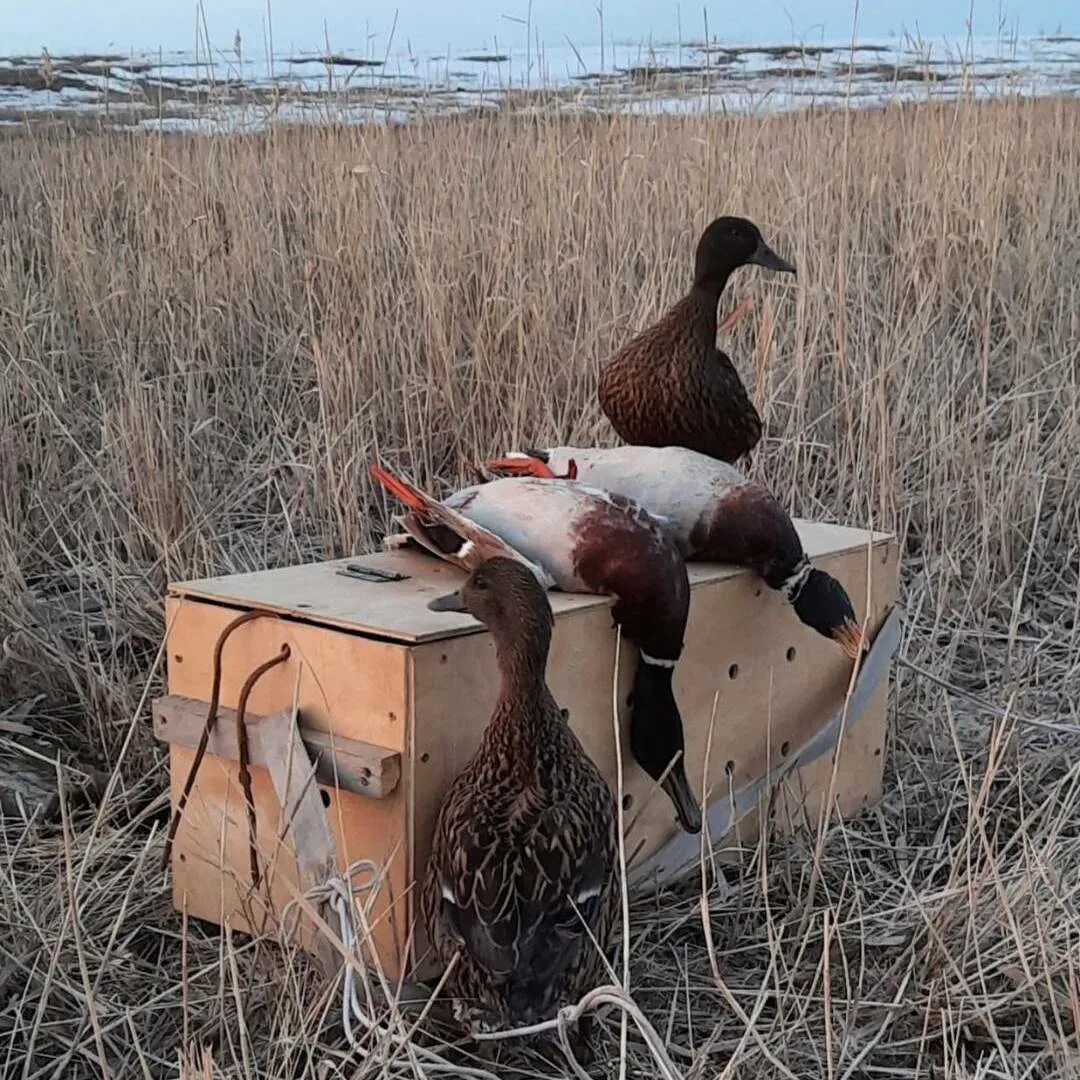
{"x": 670, "y": 385}
{"x": 582, "y": 540}
{"x": 519, "y": 883}
{"x": 717, "y": 514}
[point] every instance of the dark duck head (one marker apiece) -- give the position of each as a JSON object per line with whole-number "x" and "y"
{"x": 656, "y": 736}
{"x": 823, "y": 604}
{"x": 628, "y": 554}
{"x": 505, "y": 596}
{"x": 727, "y": 244}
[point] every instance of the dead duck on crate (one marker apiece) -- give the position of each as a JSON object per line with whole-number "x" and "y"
{"x": 717, "y": 514}
{"x": 670, "y": 385}
{"x": 518, "y": 893}
{"x": 582, "y": 540}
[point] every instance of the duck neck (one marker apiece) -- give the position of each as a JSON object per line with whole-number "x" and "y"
{"x": 522, "y": 658}
{"x": 706, "y": 296}
{"x": 522, "y": 670}
{"x": 710, "y": 279}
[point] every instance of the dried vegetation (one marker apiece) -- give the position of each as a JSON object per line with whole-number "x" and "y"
{"x": 203, "y": 342}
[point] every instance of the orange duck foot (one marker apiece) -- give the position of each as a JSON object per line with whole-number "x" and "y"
{"x": 527, "y": 465}
{"x": 740, "y": 309}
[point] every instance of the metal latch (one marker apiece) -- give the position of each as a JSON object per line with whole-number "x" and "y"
{"x": 371, "y": 573}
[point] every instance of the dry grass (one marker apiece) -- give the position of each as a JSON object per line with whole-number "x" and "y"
{"x": 203, "y": 343}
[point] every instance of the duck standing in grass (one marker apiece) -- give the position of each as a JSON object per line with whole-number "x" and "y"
{"x": 519, "y": 885}
{"x": 671, "y": 386}
{"x": 582, "y": 540}
{"x": 716, "y": 514}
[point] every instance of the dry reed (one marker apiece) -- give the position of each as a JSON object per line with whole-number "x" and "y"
{"x": 204, "y": 342}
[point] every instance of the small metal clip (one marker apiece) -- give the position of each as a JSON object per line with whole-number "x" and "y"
{"x": 371, "y": 573}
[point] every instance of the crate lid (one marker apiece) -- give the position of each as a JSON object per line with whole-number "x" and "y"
{"x": 396, "y": 609}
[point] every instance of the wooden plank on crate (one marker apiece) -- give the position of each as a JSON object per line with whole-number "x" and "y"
{"x": 396, "y": 608}
{"x": 359, "y": 767}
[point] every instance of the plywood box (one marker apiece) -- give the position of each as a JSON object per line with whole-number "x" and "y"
{"x": 404, "y": 694}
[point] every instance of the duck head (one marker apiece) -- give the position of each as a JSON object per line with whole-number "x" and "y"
{"x": 505, "y": 596}
{"x": 823, "y": 605}
{"x": 727, "y": 244}
{"x": 656, "y": 737}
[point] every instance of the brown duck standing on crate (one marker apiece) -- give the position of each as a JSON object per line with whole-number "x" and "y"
{"x": 519, "y": 891}
{"x": 582, "y": 540}
{"x": 715, "y": 513}
{"x": 670, "y": 385}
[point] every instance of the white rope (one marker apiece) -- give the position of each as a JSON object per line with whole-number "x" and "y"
{"x": 339, "y": 892}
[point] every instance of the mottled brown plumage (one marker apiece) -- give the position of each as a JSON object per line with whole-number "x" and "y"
{"x": 520, "y": 878}
{"x": 671, "y": 386}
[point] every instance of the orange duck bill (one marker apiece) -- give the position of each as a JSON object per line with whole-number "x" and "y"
{"x": 824, "y": 605}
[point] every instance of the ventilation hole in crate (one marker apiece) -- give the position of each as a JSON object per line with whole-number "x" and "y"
{"x": 393, "y": 717}
{"x": 183, "y": 857}
{"x": 564, "y": 713}
{"x": 303, "y": 605}
{"x": 877, "y": 752}
{"x": 627, "y": 801}
{"x": 325, "y": 796}
{"x": 733, "y": 671}
{"x": 629, "y": 699}
{"x": 784, "y": 748}
{"x": 425, "y": 758}
{"x": 729, "y": 768}
{"x": 757, "y": 591}
{"x": 443, "y": 658}
{"x": 178, "y": 658}
{"x": 790, "y": 654}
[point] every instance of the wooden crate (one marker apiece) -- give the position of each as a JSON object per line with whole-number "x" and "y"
{"x": 406, "y": 693}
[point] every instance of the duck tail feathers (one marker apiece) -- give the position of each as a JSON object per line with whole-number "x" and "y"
{"x": 448, "y": 534}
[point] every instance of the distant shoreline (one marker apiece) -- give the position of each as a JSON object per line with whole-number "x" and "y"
{"x": 228, "y": 91}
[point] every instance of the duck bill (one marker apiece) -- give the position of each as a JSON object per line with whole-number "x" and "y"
{"x": 849, "y": 637}
{"x": 765, "y": 256}
{"x": 450, "y": 602}
{"x": 677, "y": 788}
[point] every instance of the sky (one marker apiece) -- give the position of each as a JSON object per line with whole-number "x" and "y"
{"x": 66, "y": 26}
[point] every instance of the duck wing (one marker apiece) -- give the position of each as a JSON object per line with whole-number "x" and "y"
{"x": 728, "y": 426}
{"x": 563, "y": 896}
{"x": 522, "y": 899}
{"x": 671, "y": 386}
